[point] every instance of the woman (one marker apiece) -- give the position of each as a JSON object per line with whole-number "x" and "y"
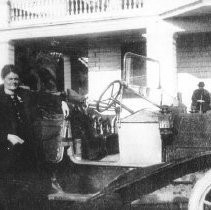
{"x": 17, "y": 111}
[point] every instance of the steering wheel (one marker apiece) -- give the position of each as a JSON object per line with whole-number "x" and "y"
{"x": 109, "y": 96}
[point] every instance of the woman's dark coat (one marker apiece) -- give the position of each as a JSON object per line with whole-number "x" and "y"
{"x": 8, "y": 124}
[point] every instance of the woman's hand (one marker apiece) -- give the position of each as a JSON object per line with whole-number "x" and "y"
{"x": 14, "y": 139}
{"x": 65, "y": 109}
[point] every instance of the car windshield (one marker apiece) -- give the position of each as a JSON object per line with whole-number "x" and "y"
{"x": 142, "y": 76}
{"x": 141, "y": 71}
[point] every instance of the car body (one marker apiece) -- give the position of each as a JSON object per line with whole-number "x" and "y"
{"x": 132, "y": 141}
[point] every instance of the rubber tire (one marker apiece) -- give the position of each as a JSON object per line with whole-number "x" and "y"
{"x": 199, "y": 189}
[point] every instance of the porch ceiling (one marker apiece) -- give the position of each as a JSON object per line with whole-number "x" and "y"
{"x": 198, "y": 8}
{"x": 79, "y": 43}
{"x": 59, "y": 44}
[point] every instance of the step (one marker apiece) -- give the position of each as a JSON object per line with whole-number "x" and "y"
{"x": 63, "y": 196}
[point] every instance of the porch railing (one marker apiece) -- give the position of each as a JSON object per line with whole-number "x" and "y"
{"x": 41, "y": 9}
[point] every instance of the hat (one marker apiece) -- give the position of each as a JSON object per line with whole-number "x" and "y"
{"x": 201, "y": 84}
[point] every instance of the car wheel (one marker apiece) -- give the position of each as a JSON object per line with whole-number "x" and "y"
{"x": 200, "y": 198}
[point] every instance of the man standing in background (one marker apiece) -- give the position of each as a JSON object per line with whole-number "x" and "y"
{"x": 200, "y": 99}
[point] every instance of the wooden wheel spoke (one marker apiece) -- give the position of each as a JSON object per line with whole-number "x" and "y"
{"x": 200, "y": 198}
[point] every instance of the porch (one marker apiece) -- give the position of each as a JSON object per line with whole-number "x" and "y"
{"x": 26, "y": 13}
{"x": 43, "y": 11}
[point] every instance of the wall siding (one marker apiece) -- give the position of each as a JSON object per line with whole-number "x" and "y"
{"x": 193, "y": 63}
{"x": 104, "y": 65}
{"x": 194, "y": 55}
{"x": 104, "y": 58}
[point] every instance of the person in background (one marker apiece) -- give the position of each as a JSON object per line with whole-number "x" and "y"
{"x": 200, "y": 99}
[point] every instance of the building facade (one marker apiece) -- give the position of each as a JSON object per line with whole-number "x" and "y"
{"x": 92, "y": 36}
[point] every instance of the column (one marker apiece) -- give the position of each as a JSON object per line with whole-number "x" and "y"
{"x": 67, "y": 73}
{"x": 7, "y": 55}
{"x": 4, "y": 14}
{"x": 161, "y": 45}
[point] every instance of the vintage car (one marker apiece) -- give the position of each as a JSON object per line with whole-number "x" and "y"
{"x": 134, "y": 140}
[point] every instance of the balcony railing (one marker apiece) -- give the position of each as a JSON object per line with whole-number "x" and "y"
{"x": 23, "y": 10}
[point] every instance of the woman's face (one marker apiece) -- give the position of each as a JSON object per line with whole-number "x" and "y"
{"x": 11, "y": 81}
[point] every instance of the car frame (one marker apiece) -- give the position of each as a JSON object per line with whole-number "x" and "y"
{"x": 102, "y": 158}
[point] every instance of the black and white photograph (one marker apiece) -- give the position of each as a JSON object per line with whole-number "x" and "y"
{"x": 105, "y": 105}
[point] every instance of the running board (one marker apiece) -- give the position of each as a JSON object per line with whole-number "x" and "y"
{"x": 62, "y": 196}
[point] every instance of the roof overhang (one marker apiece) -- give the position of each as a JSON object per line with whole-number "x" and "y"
{"x": 194, "y": 9}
